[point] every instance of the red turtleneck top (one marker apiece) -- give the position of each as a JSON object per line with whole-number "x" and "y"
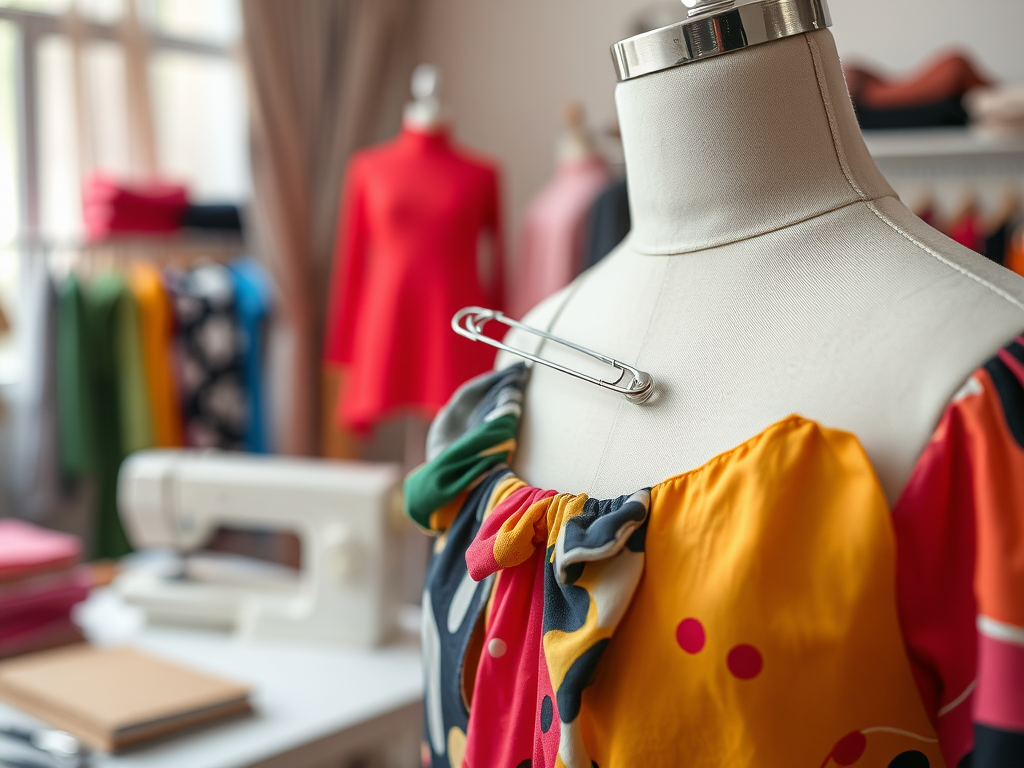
{"x": 412, "y": 214}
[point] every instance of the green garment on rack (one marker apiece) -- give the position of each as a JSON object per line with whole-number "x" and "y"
{"x": 74, "y": 379}
{"x": 104, "y": 407}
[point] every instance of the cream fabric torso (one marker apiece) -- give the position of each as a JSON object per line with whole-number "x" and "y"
{"x": 770, "y": 271}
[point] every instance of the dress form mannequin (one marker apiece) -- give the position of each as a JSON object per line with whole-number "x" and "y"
{"x": 576, "y": 143}
{"x": 425, "y": 113}
{"x": 770, "y": 270}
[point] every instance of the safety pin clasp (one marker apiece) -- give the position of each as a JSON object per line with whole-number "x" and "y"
{"x": 469, "y": 322}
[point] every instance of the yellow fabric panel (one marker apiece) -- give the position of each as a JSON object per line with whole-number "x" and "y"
{"x": 563, "y": 507}
{"x": 442, "y": 519}
{"x": 501, "y": 491}
{"x": 515, "y": 543}
{"x": 782, "y": 550}
{"x": 509, "y": 447}
{"x": 156, "y": 321}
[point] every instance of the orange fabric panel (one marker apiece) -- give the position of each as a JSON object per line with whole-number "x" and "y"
{"x": 156, "y": 322}
{"x": 1014, "y": 258}
{"x": 997, "y": 467}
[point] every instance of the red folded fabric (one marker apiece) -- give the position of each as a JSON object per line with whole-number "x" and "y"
{"x": 49, "y": 596}
{"x": 947, "y": 77}
{"x": 39, "y": 635}
{"x": 111, "y": 207}
{"x": 28, "y": 550}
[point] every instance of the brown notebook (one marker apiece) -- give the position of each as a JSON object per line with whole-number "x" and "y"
{"x": 111, "y": 698}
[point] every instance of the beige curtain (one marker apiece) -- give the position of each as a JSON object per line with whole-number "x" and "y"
{"x": 325, "y": 76}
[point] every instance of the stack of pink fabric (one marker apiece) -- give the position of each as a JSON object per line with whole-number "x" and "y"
{"x": 40, "y": 580}
{"x": 111, "y": 207}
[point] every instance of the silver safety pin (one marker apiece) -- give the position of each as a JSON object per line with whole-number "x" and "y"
{"x": 470, "y": 321}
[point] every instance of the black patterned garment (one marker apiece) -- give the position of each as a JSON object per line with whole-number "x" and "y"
{"x": 210, "y": 351}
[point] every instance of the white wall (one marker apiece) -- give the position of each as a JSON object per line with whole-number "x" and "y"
{"x": 509, "y": 65}
{"x": 901, "y": 34}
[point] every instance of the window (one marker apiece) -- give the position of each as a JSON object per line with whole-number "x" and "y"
{"x": 199, "y": 114}
{"x": 67, "y": 80}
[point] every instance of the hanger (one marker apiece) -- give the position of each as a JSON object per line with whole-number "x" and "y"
{"x": 470, "y": 321}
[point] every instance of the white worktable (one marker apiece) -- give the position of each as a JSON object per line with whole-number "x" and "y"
{"x": 316, "y": 705}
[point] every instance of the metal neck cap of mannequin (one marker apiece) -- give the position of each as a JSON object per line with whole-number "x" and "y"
{"x": 715, "y": 27}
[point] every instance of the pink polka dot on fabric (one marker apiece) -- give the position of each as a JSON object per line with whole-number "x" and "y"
{"x": 745, "y": 662}
{"x": 849, "y": 749}
{"x": 690, "y": 635}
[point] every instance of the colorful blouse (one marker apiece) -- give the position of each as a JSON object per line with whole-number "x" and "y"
{"x": 765, "y": 609}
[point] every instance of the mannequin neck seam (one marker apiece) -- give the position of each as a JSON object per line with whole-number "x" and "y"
{"x": 1005, "y": 295}
{"x": 641, "y": 251}
{"x": 830, "y": 114}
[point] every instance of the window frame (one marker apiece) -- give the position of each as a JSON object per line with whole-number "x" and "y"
{"x": 32, "y": 27}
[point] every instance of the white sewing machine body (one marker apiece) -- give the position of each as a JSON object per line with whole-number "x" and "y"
{"x": 345, "y": 514}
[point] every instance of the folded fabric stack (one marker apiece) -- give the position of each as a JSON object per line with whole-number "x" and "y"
{"x": 113, "y": 208}
{"x": 998, "y": 110}
{"x": 930, "y": 98}
{"x": 40, "y": 581}
{"x": 221, "y": 217}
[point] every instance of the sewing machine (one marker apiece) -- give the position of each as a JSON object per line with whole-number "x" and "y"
{"x": 347, "y": 517}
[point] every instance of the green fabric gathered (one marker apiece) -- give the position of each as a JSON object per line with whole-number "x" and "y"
{"x": 441, "y": 480}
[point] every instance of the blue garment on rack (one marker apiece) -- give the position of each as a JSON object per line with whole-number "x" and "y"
{"x": 254, "y": 298}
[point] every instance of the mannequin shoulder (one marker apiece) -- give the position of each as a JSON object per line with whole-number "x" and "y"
{"x": 477, "y": 163}
{"x": 369, "y": 161}
{"x": 375, "y": 152}
{"x": 926, "y": 251}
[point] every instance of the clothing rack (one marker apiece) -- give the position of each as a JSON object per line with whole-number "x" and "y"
{"x": 173, "y": 250}
{"x": 948, "y": 162}
{"x": 139, "y": 342}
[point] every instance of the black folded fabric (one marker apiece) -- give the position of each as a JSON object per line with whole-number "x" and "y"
{"x": 608, "y": 224}
{"x": 212, "y": 216}
{"x": 948, "y": 112}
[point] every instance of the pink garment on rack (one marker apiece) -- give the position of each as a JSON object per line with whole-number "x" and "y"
{"x": 28, "y": 550}
{"x": 113, "y": 207}
{"x": 551, "y": 241}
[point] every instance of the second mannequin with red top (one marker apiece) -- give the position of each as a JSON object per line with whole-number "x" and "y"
{"x": 413, "y": 213}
